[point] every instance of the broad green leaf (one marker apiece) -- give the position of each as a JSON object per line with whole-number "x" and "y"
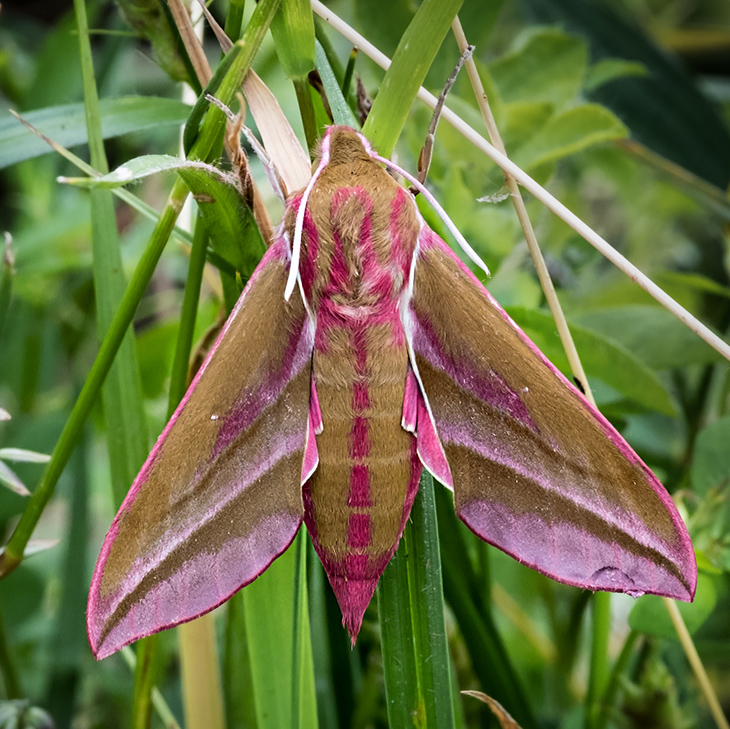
{"x": 652, "y": 335}
{"x": 569, "y": 132}
{"x": 601, "y": 358}
{"x": 665, "y": 109}
{"x": 547, "y": 66}
{"x": 610, "y": 69}
{"x": 711, "y": 460}
{"x": 650, "y": 617}
{"x": 66, "y": 124}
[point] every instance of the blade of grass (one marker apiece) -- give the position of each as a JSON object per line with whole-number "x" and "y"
{"x": 243, "y": 53}
{"x": 341, "y": 112}
{"x": 299, "y": 626}
{"x": 411, "y": 61}
{"x": 234, "y": 18}
{"x": 599, "y": 673}
{"x": 7, "y": 272}
{"x": 163, "y": 710}
{"x": 122, "y": 392}
{"x": 416, "y": 660}
{"x": 293, "y": 32}
{"x": 66, "y": 124}
{"x": 237, "y": 677}
{"x": 8, "y": 665}
{"x": 269, "y": 608}
{"x": 463, "y": 592}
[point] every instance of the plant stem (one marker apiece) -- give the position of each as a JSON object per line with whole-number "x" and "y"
{"x": 614, "y": 682}
{"x": 694, "y": 659}
{"x": 598, "y": 676}
{"x": 7, "y": 665}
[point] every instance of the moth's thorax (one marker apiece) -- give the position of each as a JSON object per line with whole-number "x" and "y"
{"x": 360, "y": 230}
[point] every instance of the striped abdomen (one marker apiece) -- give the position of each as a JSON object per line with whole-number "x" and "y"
{"x": 356, "y": 503}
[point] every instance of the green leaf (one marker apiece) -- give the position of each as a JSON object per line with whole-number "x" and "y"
{"x": 269, "y": 614}
{"x": 610, "y": 69}
{"x": 649, "y": 615}
{"x": 137, "y": 169}
{"x": 416, "y": 659}
{"x": 548, "y": 66}
{"x": 652, "y": 335}
{"x": 228, "y": 219}
{"x": 341, "y": 112}
{"x": 569, "y": 132}
{"x": 711, "y": 460}
{"x": 66, "y": 124}
{"x": 293, "y": 31}
{"x": 601, "y": 357}
{"x": 665, "y": 109}
{"x": 411, "y": 61}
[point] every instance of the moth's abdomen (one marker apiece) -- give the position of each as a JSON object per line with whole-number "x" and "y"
{"x": 354, "y": 269}
{"x": 359, "y": 498}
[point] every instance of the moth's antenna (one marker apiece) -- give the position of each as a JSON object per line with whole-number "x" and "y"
{"x": 441, "y": 212}
{"x": 296, "y": 245}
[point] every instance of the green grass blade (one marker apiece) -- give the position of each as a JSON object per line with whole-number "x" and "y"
{"x": 269, "y": 608}
{"x": 293, "y": 32}
{"x": 8, "y": 666}
{"x": 7, "y": 271}
{"x": 122, "y": 393}
{"x": 67, "y": 124}
{"x": 411, "y": 61}
{"x": 237, "y": 677}
{"x": 416, "y": 658}
{"x": 341, "y": 112}
{"x": 489, "y": 657}
{"x": 599, "y": 669}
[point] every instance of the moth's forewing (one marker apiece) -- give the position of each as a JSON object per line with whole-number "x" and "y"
{"x": 220, "y": 495}
{"x": 537, "y": 471}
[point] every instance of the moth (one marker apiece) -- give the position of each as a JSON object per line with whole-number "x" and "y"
{"x": 361, "y": 351}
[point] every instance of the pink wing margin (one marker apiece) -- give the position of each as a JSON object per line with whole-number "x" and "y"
{"x": 536, "y": 470}
{"x": 219, "y": 497}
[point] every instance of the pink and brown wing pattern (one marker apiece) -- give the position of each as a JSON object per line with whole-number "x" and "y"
{"x": 219, "y": 497}
{"x": 536, "y": 470}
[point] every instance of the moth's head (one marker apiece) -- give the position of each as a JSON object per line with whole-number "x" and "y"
{"x": 342, "y": 145}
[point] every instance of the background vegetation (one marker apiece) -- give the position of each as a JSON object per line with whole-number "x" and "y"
{"x": 620, "y": 108}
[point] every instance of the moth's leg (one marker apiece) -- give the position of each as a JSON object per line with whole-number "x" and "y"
{"x": 424, "y": 159}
